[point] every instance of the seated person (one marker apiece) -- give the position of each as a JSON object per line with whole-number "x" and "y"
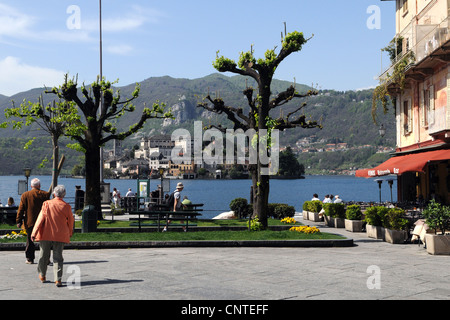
{"x": 186, "y": 202}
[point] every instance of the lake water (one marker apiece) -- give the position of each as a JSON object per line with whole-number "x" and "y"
{"x": 217, "y": 194}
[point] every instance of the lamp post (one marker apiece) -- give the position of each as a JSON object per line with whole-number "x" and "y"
{"x": 379, "y": 186}
{"x": 391, "y": 182}
{"x": 101, "y": 78}
{"x": 27, "y": 172}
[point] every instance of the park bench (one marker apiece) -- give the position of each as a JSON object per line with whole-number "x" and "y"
{"x": 159, "y": 214}
{"x": 8, "y": 215}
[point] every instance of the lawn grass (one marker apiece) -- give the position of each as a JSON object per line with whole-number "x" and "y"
{"x": 189, "y": 236}
{"x": 201, "y": 236}
{"x": 194, "y": 236}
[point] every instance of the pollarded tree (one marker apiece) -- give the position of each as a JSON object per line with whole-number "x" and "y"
{"x": 261, "y": 105}
{"x": 100, "y": 107}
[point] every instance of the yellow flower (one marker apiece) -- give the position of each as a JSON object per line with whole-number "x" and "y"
{"x": 288, "y": 220}
{"x": 305, "y": 229}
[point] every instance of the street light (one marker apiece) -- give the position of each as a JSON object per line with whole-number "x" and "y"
{"x": 380, "y": 181}
{"x": 101, "y": 78}
{"x": 27, "y": 172}
{"x": 391, "y": 182}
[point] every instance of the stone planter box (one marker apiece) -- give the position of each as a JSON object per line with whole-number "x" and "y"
{"x": 313, "y": 216}
{"x": 339, "y": 222}
{"x": 329, "y": 221}
{"x": 305, "y": 215}
{"x": 375, "y": 232}
{"x": 353, "y": 225}
{"x": 438, "y": 244}
{"x": 394, "y": 236}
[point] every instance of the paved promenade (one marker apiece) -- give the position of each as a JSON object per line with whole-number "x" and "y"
{"x": 371, "y": 269}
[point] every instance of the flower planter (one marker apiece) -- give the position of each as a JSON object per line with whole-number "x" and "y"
{"x": 339, "y": 222}
{"x": 438, "y": 244}
{"x": 375, "y": 232}
{"x": 353, "y": 225}
{"x": 305, "y": 215}
{"x": 329, "y": 221}
{"x": 395, "y": 236}
{"x": 313, "y": 216}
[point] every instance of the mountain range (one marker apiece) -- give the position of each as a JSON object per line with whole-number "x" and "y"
{"x": 346, "y": 116}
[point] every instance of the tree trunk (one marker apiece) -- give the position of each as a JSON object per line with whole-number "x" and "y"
{"x": 55, "y": 171}
{"x": 262, "y": 197}
{"x": 254, "y": 189}
{"x": 93, "y": 196}
{"x": 262, "y": 200}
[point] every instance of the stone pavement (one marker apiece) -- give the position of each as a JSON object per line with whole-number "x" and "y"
{"x": 371, "y": 269}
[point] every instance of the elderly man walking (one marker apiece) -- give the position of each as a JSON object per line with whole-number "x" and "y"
{"x": 28, "y": 212}
{"x": 53, "y": 229}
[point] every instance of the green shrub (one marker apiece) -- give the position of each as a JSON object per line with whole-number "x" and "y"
{"x": 306, "y": 205}
{"x": 353, "y": 212}
{"x": 280, "y": 210}
{"x": 118, "y": 211}
{"x": 312, "y": 206}
{"x": 283, "y": 211}
{"x": 394, "y": 219}
{"x": 334, "y": 210}
{"x": 255, "y": 225}
{"x": 271, "y": 209}
{"x": 375, "y": 216}
{"x": 240, "y": 207}
{"x": 437, "y": 216}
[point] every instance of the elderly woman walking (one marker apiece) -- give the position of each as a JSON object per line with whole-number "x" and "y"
{"x": 52, "y": 230}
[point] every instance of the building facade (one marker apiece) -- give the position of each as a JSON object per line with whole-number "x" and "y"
{"x": 418, "y": 82}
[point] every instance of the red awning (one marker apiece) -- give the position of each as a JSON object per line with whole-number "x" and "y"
{"x": 415, "y": 162}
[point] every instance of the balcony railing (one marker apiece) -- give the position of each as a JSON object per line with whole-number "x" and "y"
{"x": 422, "y": 41}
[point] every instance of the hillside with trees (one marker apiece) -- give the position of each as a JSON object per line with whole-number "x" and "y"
{"x": 346, "y": 117}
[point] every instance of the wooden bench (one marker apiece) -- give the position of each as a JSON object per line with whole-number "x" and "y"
{"x": 164, "y": 216}
{"x": 8, "y": 215}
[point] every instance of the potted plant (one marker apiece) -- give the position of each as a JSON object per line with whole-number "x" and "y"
{"x": 305, "y": 210}
{"x": 312, "y": 210}
{"x": 437, "y": 217}
{"x": 395, "y": 225}
{"x": 353, "y": 222}
{"x": 328, "y": 212}
{"x": 333, "y": 211}
{"x": 374, "y": 217}
{"x": 338, "y": 214}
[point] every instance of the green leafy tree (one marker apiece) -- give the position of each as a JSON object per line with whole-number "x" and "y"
{"x": 52, "y": 118}
{"x": 289, "y": 165}
{"x": 101, "y": 107}
{"x": 261, "y": 103}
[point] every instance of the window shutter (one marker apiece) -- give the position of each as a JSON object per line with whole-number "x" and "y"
{"x": 423, "y": 112}
{"x": 431, "y": 106}
{"x": 410, "y": 116}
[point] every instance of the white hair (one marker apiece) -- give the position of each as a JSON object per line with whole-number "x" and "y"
{"x": 35, "y": 183}
{"x": 59, "y": 191}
